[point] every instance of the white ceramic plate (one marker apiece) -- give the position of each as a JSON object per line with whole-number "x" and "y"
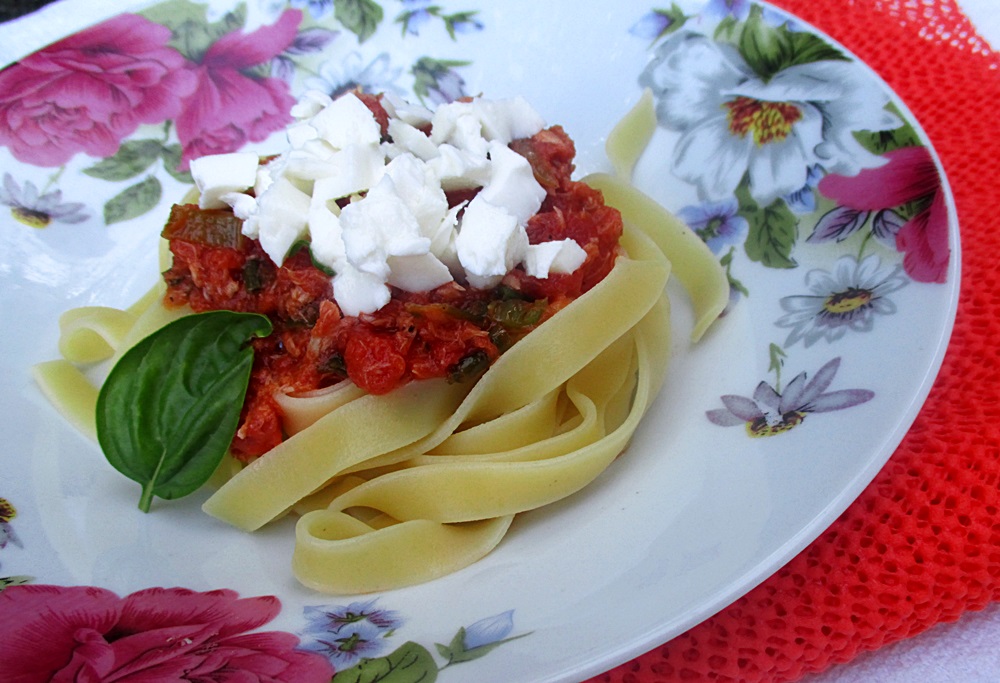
{"x": 844, "y": 292}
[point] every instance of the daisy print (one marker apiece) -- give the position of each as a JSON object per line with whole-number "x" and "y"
{"x": 772, "y": 410}
{"x": 39, "y": 209}
{"x": 7, "y": 535}
{"x": 848, "y": 298}
{"x": 354, "y": 72}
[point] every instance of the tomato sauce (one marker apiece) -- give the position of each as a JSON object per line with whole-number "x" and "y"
{"x": 453, "y": 331}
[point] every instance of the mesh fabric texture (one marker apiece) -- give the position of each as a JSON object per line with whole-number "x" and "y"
{"x": 921, "y": 545}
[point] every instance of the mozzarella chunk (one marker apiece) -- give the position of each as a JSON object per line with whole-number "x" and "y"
{"x": 395, "y": 228}
{"x": 357, "y": 292}
{"x": 512, "y": 184}
{"x": 461, "y": 123}
{"x": 407, "y": 138}
{"x": 326, "y": 235}
{"x": 443, "y": 241}
{"x": 244, "y": 206}
{"x": 418, "y": 273}
{"x": 303, "y": 165}
{"x": 521, "y": 119}
{"x": 419, "y": 189}
{"x": 353, "y": 169}
{"x": 222, "y": 174}
{"x": 267, "y": 173}
{"x": 458, "y": 169}
{"x": 412, "y": 113}
{"x": 347, "y": 121}
{"x": 380, "y": 226}
{"x": 282, "y": 213}
{"x": 559, "y": 256}
{"x": 490, "y": 242}
{"x": 310, "y": 103}
{"x": 301, "y": 133}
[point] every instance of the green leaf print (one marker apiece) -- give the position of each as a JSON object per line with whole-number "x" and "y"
{"x": 131, "y": 159}
{"x": 133, "y": 201}
{"x": 409, "y": 663}
{"x": 361, "y": 17}
{"x": 773, "y": 230}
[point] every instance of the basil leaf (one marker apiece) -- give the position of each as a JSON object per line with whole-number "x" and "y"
{"x": 170, "y": 406}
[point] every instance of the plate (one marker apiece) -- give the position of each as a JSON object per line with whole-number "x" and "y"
{"x": 807, "y": 177}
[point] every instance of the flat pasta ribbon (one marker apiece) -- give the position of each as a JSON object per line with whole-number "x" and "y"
{"x": 580, "y": 383}
{"x": 408, "y": 486}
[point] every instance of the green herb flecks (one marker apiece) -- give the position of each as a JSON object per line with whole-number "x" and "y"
{"x": 516, "y": 313}
{"x": 472, "y": 365}
{"x": 298, "y": 246}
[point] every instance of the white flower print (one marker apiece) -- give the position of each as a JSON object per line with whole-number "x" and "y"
{"x": 733, "y": 122}
{"x": 847, "y": 299}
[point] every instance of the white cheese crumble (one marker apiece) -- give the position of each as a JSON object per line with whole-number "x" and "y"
{"x": 489, "y": 243}
{"x": 395, "y": 227}
{"x": 560, "y": 256}
{"x": 220, "y": 174}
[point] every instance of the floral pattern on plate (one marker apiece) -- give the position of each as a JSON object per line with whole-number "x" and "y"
{"x": 788, "y": 142}
{"x": 8, "y": 537}
{"x": 782, "y": 122}
{"x": 85, "y": 632}
{"x": 153, "y": 634}
{"x": 773, "y": 410}
{"x": 356, "y": 639}
{"x": 202, "y": 86}
{"x": 801, "y": 166}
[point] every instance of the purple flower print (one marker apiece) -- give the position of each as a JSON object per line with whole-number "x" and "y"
{"x": 438, "y": 81}
{"x": 317, "y": 8}
{"x": 718, "y": 224}
{"x": 770, "y": 412}
{"x": 345, "y": 634}
{"x": 737, "y": 9}
{"x": 38, "y": 209}
{"x": 489, "y": 631}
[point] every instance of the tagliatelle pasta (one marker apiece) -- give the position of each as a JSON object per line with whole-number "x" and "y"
{"x": 387, "y": 430}
{"x": 89, "y": 335}
{"x": 404, "y": 487}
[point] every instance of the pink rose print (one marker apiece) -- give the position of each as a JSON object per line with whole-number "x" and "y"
{"x": 909, "y": 176}
{"x": 230, "y": 108}
{"x": 82, "y": 633}
{"x": 88, "y": 92}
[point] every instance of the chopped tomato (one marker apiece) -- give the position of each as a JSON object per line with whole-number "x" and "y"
{"x": 376, "y": 360}
{"x": 550, "y": 153}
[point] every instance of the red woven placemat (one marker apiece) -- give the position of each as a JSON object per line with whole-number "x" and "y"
{"x": 922, "y": 543}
